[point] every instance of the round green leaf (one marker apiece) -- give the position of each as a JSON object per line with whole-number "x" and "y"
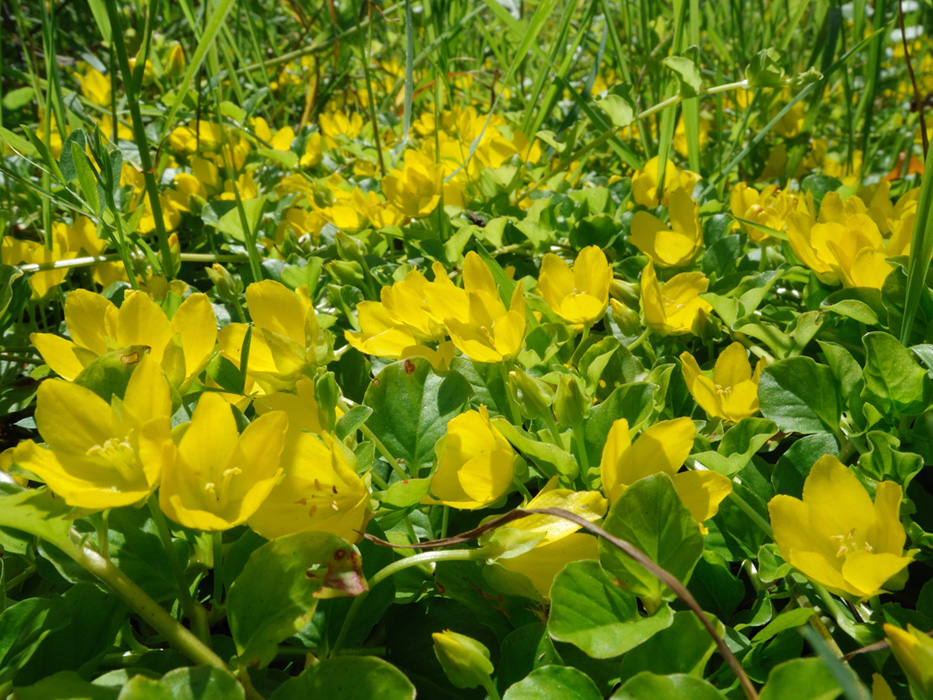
{"x": 348, "y": 678}
{"x": 647, "y": 686}
{"x": 554, "y": 683}
{"x": 800, "y": 396}
{"x": 651, "y": 516}
{"x": 591, "y": 612}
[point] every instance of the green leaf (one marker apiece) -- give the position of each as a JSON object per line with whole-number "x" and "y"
{"x": 23, "y": 627}
{"x": 738, "y": 446}
{"x": 109, "y": 374}
{"x": 591, "y": 612}
{"x": 647, "y": 686}
{"x": 688, "y": 75}
{"x": 136, "y": 549}
{"x": 801, "y": 679}
{"x": 765, "y": 69}
{"x": 86, "y": 177}
{"x": 411, "y": 408}
{"x": 523, "y": 650}
{"x": 894, "y": 381}
{"x": 630, "y": 401}
{"x": 20, "y": 97}
{"x": 793, "y": 467}
{"x": 351, "y": 421}
{"x": 554, "y": 683}
{"x": 651, "y": 516}
{"x": 91, "y": 618}
{"x": 278, "y": 591}
{"x": 884, "y": 461}
{"x": 550, "y": 458}
{"x": 39, "y": 513}
{"x": 800, "y": 396}
{"x": 783, "y": 622}
{"x": 224, "y": 215}
{"x": 684, "y": 647}
{"x": 348, "y": 678}
{"x": 619, "y": 106}
{"x": 199, "y": 683}
{"x": 66, "y": 160}
{"x": 65, "y": 685}
{"x": 406, "y": 493}
{"x": 18, "y": 143}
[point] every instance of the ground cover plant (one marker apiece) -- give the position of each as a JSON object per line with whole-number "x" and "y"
{"x": 466, "y": 350}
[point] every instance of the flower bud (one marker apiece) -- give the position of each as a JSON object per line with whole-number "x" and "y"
{"x": 570, "y": 403}
{"x": 350, "y": 248}
{"x": 626, "y": 292}
{"x": 175, "y": 63}
{"x": 225, "y": 283}
{"x": 346, "y": 272}
{"x": 464, "y": 660}
{"x": 626, "y": 318}
{"x": 327, "y": 394}
{"x": 914, "y": 652}
{"x": 532, "y": 395}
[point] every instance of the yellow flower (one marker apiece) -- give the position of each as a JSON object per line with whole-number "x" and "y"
{"x": 475, "y": 463}
{"x": 334, "y": 124}
{"x": 579, "y": 296}
{"x": 488, "y": 333}
{"x": 674, "y": 307}
{"x": 415, "y": 189}
{"x": 96, "y": 87}
{"x": 219, "y": 477}
{"x": 675, "y": 246}
{"x": 914, "y": 652}
{"x": 645, "y": 183}
{"x": 560, "y": 543}
{"x": 320, "y": 491}
{"x": 843, "y": 245}
{"x": 181, "y": 346}
{"x": 313, "y": 151}
{"x": 102, "y": 455}
{"x": 401, "y": 320}
{"x": 769, "y": 208}
{"x": 286, "y": 341}
{"x": 663, "y": 447}
{"x": 732, "y": 393}
{"x": 836, "y": 536}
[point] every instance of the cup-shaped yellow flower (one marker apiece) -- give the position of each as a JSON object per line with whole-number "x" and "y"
{"x": 579, "y": 296}
{"x": 732, "y": 393}
{"x": 769, "y": 208}
{"x": 287, "y": 341}
{"x": 491, "y": 333}
{"x": 663, "y": 447}
{"x": 414, "y": 189}
{"x": 674, "y": 246}
{"x": 182, "y": 346}
{"x": 219, "y": 477}
{"x": 836, "y": 536}
{"x": 102, "y": 455}
{"x": 645, "y": 183}
{"x": 561, "y": 542}
{"x": 320, "y": 491}
{"x": 844, "y": 245}
{"x": 475, "y": 463}
{"x": 914, "y": 652}
{"x": 675, "y": 307}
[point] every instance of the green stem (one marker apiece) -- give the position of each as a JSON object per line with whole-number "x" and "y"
{"x": 384, "y": 451}
{"x": 218, "y": 542}
{"x": 394, "y": 568}
{"x": 513, "y": 407}
{"x": 635, "y": 344}
{"x": 491, "y": 689}
{"x": 192, "y": 610}
{"x": 580, "y": 439}
{"x": 139, "y": 601}
{"x": 752, "y": 514}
